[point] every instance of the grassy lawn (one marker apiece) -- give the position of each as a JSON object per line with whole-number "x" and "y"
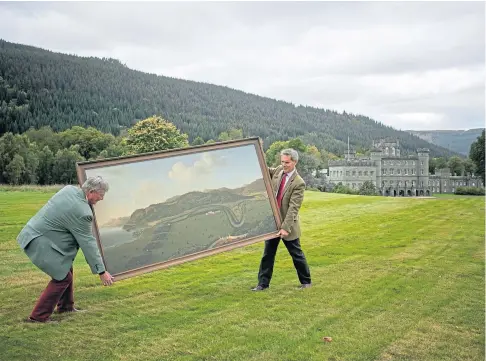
{"x": 394, "y": 279}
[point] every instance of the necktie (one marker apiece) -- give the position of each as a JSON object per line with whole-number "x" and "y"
{"x": 280, "y": 190}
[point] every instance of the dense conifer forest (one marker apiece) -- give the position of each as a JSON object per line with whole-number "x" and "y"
{"x": 40, "y": 87}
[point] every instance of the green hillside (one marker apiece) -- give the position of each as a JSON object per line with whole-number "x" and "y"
{"x": 456, "y": 140}
{"x": 40, "y": 87}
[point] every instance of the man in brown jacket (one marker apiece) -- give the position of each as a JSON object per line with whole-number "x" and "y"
{"x": 289, "y": 187}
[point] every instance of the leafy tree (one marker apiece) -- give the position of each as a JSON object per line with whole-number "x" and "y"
{"x": 198, "y": 141}
{"x": 439, "y": 163}
{"x": 64, "y": 169}
{"x": 456, "y": 165}
{"x": 367, "y": 189}
{"x": 341, "y": 188}
{"x": 31, "y": 160}
{"x": 91, "y": 141}
{"x": 476, "y": 154}
{"x": 46, "y": 165}
{"x": 272, "y": 155}
{"x": 469, "y": 167}
{"x": 154, "y": 134}
{"x": 14, "y": 170}
{"x": 232, "y": 134}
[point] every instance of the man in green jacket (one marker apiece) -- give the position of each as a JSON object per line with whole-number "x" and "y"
{"x": 51, "y": 240}
{"x": 289, "y": 187}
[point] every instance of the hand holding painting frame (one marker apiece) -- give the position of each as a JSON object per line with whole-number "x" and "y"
{"x": 170, "y": 207}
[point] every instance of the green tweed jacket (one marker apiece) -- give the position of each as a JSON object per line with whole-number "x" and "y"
{"x": 52, "y": 237}
{"x": 293, "y": 197}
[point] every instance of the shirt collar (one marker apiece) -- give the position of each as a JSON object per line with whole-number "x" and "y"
{"x": 289, "y": 174}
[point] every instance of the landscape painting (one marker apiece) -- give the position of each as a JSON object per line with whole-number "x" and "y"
{"x": 170, "y": 207}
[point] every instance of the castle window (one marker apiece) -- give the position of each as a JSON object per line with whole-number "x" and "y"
{"x": 406, "y": 171}
{"x": 399, "y": 183}
{"x": 354, "y": 173}
{"x": 354, "y": 185}
{"x": 365, "y": 172}
{"x": 422, "y": 171}
{"x": 422, "y": 184}
{"x": 360, "y": 173}
{"x": 341, "y": 173}
{"x": 422, "y": 162}
{"x": 453, "y": 189}
{"x": 413, "y": 162}
{"x": 371, "y": 173}
{"x": 398, "y": 171}
{"x": 413, "y": 170}
{"x": 347, "y": 173}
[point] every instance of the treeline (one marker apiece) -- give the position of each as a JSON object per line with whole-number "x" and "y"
{"x": 40, "y": 88}
{"x": 45, "y": 157}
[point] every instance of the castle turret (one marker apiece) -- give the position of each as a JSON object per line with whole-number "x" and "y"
{"x": 375, "y": 155}
{"x": 423, "y": 168}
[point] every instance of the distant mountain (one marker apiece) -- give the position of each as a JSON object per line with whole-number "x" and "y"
{"x": 458, "y": 141}
{"x": 115, "y": 222}
{"x": 40, "y": 87}
{"x": 180, "y": 205}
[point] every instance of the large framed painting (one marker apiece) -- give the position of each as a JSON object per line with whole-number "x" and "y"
{"x": 169, "y": 207}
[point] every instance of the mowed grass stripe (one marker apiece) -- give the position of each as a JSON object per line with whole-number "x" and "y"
{"x": 388, "y": 273}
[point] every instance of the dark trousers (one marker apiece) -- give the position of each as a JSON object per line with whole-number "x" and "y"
{"x": 268, "y": 260}
{"x": 60, "y": 293}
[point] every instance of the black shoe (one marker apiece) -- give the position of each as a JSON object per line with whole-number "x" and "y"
{"x": 259, "y": 288}
{"x": 304, "y": 285}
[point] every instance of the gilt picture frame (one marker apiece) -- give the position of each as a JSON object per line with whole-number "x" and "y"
{"x": 170, "y": 207}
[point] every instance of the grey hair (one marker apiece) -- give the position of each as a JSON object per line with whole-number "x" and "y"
{"x": 292, "y": 153}
{"x": 95, "y": 184}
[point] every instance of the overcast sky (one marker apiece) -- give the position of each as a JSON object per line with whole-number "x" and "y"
{"x": 411, "y": 65}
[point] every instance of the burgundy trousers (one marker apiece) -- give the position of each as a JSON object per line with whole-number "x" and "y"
{"x": 60, "y": 293}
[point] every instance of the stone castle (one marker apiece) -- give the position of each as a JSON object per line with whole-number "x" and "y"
{"x": 394, "y": 175}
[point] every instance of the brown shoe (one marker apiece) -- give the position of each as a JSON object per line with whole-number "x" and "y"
{"x": 49, "y": 320}
{"x": 69, "y": 311}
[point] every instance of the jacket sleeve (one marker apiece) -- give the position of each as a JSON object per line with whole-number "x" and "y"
{"x": 81, "y": 230}
{"x": 272, "y": 171}
{"x": 296, "y": 200}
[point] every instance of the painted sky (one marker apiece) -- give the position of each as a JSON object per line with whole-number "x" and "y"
{"x": 140, "y": 184}
{"x": 409, "y": 64}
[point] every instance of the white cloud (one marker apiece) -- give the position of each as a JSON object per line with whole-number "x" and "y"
{"x": 203, "y": 167}
{"x": 387, "y": 60}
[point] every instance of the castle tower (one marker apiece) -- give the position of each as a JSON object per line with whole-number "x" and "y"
{"x": 423, "y": 169}
{"x": 375, "y": 156}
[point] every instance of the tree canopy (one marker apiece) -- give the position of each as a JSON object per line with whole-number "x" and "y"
{"x": 476, "y": 154}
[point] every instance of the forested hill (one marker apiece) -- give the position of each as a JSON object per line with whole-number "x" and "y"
{"x": 39, "y": 87}
{"x": 456, "y": 140}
